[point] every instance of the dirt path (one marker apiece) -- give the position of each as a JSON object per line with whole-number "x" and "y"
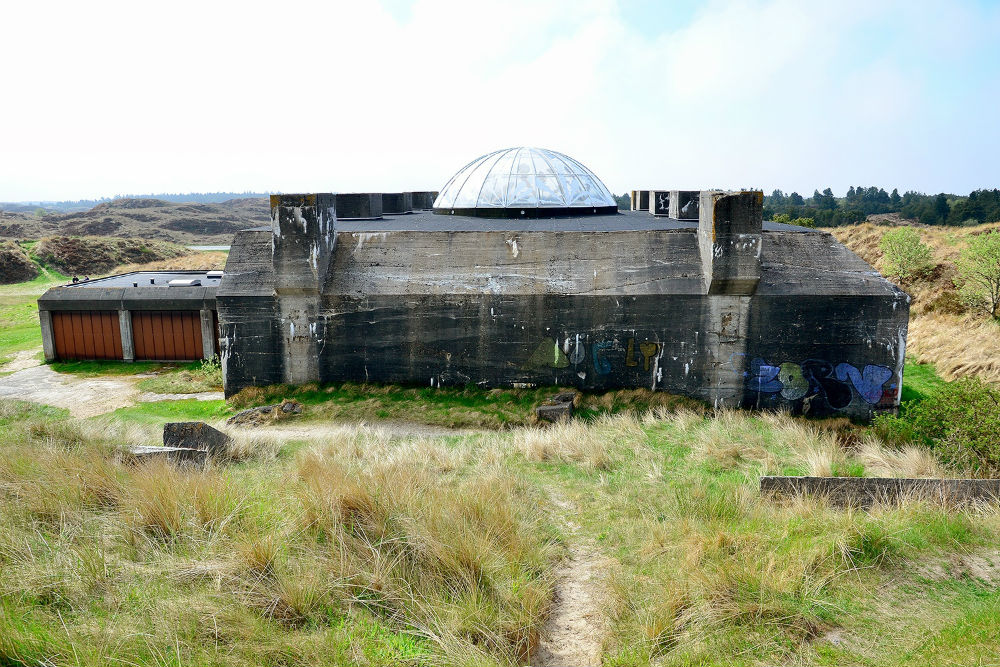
{"x": 83, "y": 397}
{"x": 574, "y": 631}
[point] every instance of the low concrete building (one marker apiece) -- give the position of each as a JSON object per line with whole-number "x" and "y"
{"x": 526, "y": 273}
{"x": 146, "y": 315}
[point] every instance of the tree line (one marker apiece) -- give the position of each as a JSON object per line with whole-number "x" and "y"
{"x": 827, "y": 210}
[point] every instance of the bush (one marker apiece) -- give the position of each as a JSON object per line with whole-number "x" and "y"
{"x": 959, "y": 421}
{"x": 978, "y": 267}
{"x": 904, "y": 255}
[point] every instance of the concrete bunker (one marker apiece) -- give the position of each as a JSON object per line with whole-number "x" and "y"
{"x": 524, "y": 284}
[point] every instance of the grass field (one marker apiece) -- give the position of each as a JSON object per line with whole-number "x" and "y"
{"x": 358, "y": 547}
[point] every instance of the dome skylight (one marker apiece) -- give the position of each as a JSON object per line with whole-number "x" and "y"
{"x": 525, "y": 182}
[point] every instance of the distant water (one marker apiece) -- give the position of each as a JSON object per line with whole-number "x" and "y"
{"x": 224, "y": 248}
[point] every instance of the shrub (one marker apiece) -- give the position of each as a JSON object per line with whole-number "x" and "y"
{"x": 959, "y": 421}
{"x": 904, "y": 256}
{"x": 978, "y": 278}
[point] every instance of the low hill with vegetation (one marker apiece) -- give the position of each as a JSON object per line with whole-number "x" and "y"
{"x": 96, "y": 255}
{"x": 952, "y": 323}
{"x": 210, "y": 223}
{"x": 15, "y": 265}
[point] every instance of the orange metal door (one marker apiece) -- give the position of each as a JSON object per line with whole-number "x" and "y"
{"x": 87, "y": 335}
{"x": 167, "y": 335}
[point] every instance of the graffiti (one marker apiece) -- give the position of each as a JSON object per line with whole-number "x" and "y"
{"x": 793, "y": 380}
{"x": 604, "y": 354}
{"x": 579, "y": 352}
{"x": 868, "y": 382}
{"x": 816, "y": 378}
{"x": 547, "y": 355}
{"x": 648, "y": 351}
{"x": 601, "y": 364}
{"x": 630, "y": 353}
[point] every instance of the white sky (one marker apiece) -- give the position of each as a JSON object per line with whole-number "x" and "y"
{"x": 102, "y": 98}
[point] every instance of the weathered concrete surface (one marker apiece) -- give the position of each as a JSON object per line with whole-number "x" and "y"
{"x": 789, "y": 319}
{"x": 397, "y": 203}
{"x": 557, "y": 408}
{"x": 48, "y": 337}
{"x": 359, "y": 205}
{"x": 423, "y": 201}
{"x": 195, "y": 435}
{"x": 685, "y": 204}
{"x": 864, "y": 491}
{"x": 659, "y": 202}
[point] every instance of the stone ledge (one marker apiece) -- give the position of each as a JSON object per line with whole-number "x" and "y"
{"x": 865, "y": 491}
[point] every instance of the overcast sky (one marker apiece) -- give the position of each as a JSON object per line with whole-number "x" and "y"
{"x": 102, "y": 98}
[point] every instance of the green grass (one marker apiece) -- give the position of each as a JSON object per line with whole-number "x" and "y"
{"x": 159, "y": 412}
{"x": 919, "y": 380}
{"x": 98, "y": 368}
{"x": 198, "y": 376}
{"x": 359, "y": 548}
{"x": 19, "y": 328}
{"x": 454, "y": 407}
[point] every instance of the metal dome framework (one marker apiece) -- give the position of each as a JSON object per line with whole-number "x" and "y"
{"x": 525, "y": 183}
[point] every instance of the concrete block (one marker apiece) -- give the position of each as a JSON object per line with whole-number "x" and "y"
{"x": 643, "y": 200}
{"x": 865, "y": 491}
{"x": 359, "y": 206}
{"x": 128, "y": 339}
{"x": 207, "y": 333}
{"x": 659, "y": 202}
{"x": 397, "y": 203}
{"x": 554, "y": 413}
{"x": 685, "y": 204}
{"x": 729, "y": 240}
{"x": 423, "y": 201}
{"x": 303, "y": 238}
{"x": 48, "y": 339}
{"x": 195, "y": 435}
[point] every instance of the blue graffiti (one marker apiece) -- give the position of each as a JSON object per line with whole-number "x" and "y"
{"x": 868, "y": 382}
{"x": 814, "y": 377}
{"x": 763, "y": 378}
{"x": 601, "y": 365}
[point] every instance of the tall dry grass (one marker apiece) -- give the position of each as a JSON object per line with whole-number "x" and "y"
{"x": 428, "y": 542}
{"x": 957, "y": 346}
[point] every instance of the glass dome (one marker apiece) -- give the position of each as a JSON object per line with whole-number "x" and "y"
{"x": 524, "y": 182}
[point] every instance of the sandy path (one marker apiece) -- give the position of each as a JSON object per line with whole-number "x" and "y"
{"x": 573, "y": 634}
{"x": 83, "y": 397}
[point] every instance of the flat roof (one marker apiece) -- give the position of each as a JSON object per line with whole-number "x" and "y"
{"x": 623, "y": 221}
{"x": 149, "y": 279}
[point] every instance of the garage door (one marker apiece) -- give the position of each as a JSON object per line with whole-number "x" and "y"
{"x": 167, "y": 335}
{"x": 87, "y": 335}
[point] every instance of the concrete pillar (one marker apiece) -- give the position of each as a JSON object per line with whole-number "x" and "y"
{"x": 128, "y": 342}
{"x": 685, "y": 204}
{"x": 727, "y": 322}
{"x": 729, "y": 241}
{"x": 659, "y": 202}
{"x": 359, "y": 206}
{"x": 48, "y": 338}
{"x": 397, "y": 203}
{"x": 643, "y": 200}
{"x": 304, "y": 235}
{"x": 207, "y": 334}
